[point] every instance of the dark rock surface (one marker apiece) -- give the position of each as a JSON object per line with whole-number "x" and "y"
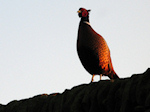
{"x": 121, "y": 95}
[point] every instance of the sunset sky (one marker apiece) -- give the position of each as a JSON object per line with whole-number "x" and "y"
{"x": 38, "y": 43}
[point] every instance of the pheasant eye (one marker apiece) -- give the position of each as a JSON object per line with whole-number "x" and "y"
{"x": 84, "y": 14}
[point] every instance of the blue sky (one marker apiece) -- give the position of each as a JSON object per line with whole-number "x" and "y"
{"x": 38, "y": 43}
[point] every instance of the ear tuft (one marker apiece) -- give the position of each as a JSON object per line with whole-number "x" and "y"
{"x": 89, "y": 10}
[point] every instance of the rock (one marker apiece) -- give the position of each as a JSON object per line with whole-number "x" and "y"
{"x": 121, "y": 95}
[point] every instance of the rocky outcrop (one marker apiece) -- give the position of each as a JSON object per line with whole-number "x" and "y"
{"x": 121, "y": 95}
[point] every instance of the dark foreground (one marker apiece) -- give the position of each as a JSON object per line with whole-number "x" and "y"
{"x": 121, "y": 95}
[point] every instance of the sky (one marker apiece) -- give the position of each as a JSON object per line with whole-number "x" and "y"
{"x": 38, "y": 43}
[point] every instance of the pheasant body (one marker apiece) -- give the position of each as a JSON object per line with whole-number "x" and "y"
{"x": 93, "y": 50}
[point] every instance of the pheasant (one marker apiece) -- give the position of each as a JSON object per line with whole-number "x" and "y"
{"x": 92, "y": 49}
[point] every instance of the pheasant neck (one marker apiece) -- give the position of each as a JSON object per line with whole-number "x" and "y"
{"x": 86, "y": 22}
{"x": 85, "y": 19}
